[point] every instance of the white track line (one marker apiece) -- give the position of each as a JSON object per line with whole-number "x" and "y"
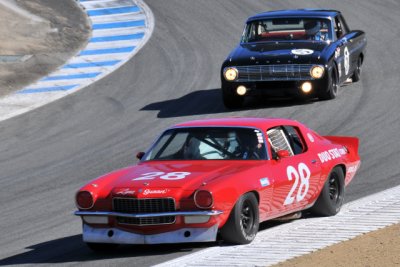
{"x": 303, "y": 236}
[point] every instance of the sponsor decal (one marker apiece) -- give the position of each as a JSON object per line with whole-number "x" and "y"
{"x": 155, "y": 191}
{"x": 337, "y": 52}
{"x": 302, "y": 52}
{"x": 310, "y": 137}
{"x": 329, "y": 155}
{"x": 260, "y": 138}
{"x": 264, "y": 182}
{"x": 352, "y": 169}
{"x": 342, "y": 151}
{"x": 125, "y": 192}
{"x": 340, "y": 69}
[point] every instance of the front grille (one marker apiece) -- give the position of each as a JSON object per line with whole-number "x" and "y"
{"x": 282, "y": 72}
{"x": 146, "y": 205}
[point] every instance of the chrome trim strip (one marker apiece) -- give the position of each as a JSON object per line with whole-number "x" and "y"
{"x": 274, "y": 72}
{"x": 146, "y": 215}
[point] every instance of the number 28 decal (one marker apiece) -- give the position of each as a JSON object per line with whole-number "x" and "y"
{"x": 162, "y": 175}
{"x": 303, "y": 174}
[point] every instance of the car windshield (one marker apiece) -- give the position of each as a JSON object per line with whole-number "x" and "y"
{"x": 209, "y": 143}
{"x": 286, "y": 29}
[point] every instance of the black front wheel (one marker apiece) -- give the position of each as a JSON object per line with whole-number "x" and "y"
{"x": 243, "y": 222}
{"x": 333, "y": 86}
{"x": 357, "y": 72}
{"x": 331, "y": 197}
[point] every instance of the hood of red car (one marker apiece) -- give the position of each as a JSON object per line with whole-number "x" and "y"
{"x": 157, "y": 178}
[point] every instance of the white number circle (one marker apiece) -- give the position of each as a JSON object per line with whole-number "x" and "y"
{"x": 346, "y": 60}
{"x": 302, "y": 52}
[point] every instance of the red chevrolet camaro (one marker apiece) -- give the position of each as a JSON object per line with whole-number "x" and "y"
{"x": 205, "y": 177}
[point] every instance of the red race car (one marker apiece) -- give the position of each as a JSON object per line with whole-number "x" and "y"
{"x": 205, "y": 177}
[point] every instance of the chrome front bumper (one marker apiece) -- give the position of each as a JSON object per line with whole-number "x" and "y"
{"x": 117, "y": 236}
{"x": 146, "y": 215}
{"x": 114, "y": 235}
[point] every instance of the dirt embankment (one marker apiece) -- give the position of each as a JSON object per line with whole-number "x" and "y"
{"x": 37, "y": 37}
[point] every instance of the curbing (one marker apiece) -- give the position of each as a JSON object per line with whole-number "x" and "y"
{"x": 120, "y": 28}
{"x": 286, "y": 241}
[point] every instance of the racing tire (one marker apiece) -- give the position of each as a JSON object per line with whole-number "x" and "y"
{"x": 357, "y": 72}
{"x": 231, "y": 101}
{"x": 243, "y": 222}
{"x": 333, "y": 86}
{"x": 331, "y": 197}
{"x": 102, "y": 247}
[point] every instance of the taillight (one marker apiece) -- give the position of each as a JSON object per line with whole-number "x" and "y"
{"x": 203, "y": 199}
{"x": 84, "y": 200}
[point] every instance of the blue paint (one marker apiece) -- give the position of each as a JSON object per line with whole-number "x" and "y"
{"x": 47, "y": 89}
{"x": 113, "y": 25}
{"x": 107, "y": 51}
{"x": 72, "y": 76}
{"x": 117, "y": 38}
{"x": 91, "y": 64}
{"x": 111, "y": 11}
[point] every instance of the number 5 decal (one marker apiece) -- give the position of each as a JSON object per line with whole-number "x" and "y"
{"x": 303, "y": 173}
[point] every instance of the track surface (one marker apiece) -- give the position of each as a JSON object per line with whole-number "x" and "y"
{"x": 48, "y": 154}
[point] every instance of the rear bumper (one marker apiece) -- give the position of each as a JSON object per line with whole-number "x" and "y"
{"x": 117, "y": 236}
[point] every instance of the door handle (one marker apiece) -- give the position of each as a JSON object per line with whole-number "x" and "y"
{"x": 313, "y": 161}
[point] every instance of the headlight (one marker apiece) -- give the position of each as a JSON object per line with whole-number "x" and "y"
{"x": 230, "y": 73}
{"x": 317, "y": 71}
{"x": 203, "y": 199}
{"x": 84, "y": 200}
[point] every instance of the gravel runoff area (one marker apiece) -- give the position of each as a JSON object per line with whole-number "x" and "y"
{"x": 37, "y": 36}
{"x": 40, "y": 35}
{"x": 379, "y": 248}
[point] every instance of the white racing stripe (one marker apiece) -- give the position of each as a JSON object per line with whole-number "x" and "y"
{"x": 114, "y": 44}
{"x": 101, "y": 4}
{"x": 303, "y": 236}
{"x": 118, "y": 17}
{"x": 119, "y": 32}
{"x": 120, "y": 28}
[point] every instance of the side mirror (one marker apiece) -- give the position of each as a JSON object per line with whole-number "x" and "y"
{"x": 282, "y": 154}
{"x": 140, "y": 155}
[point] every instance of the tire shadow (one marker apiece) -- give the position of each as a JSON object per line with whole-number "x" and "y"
{"x": 71, "y": 250}
{"x": 209, "y": 101}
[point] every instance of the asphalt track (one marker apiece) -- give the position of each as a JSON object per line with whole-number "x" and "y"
{"x": 47, "y": 154}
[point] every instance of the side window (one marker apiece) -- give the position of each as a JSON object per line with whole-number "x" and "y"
{"x": 343, "y": 23}
{"x": 341, "y": 28}
{"x": 286, "y": 138}
{"x": 295, "y": 140}
{"x": 278, "y": 141}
